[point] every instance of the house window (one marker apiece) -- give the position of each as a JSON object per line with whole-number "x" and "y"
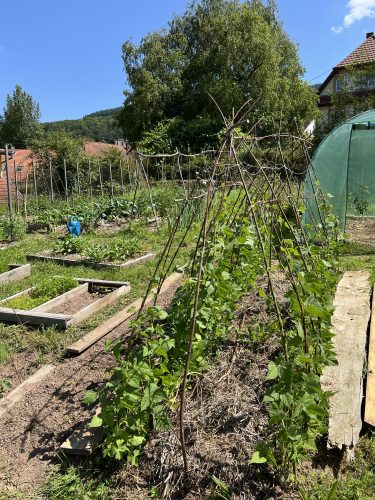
{"x": 338, "y": 85}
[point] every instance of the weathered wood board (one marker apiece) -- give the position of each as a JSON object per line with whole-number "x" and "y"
{"x": 17, "y": 272}
{"x": 60, "y": 299}
{"x": 34, "y": 318}
{"x": 370, "y": 386}
{"x": 85, "y": 262}
{"x": 16, "y": 295}
{"x": 99, "y": 304}
{"x": 83, "y": 440}
{"x": 90, "y": 338}
{"x": 20, "y": 391}
{"x": 349, "y": 326}
{"x": 102, "y": 283}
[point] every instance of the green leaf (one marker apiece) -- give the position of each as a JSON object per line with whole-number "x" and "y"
{"x": 90, "y": 397}
{"x": 257, "y": 458}
{"x": 96, "y": 422}
{"x": 273, "y": 371}
{"x": 137, "y": 440}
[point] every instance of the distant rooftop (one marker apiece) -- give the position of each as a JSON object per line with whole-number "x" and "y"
{"x": 363, "y": 54}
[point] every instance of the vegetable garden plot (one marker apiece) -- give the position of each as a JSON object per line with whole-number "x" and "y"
{"x": 69, "y": 261}
{"x": 70, "y": 308}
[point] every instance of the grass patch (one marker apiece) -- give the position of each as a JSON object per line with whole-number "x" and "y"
{"x": 354, "y": 481}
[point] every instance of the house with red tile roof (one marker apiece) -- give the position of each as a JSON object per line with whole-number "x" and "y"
{"x": 362, "y": 56}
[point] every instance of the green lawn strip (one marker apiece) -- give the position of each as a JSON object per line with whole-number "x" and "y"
{"x": 359, "y": 263}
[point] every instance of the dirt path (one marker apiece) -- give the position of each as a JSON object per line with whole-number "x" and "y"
{"x": 32, "y": 431}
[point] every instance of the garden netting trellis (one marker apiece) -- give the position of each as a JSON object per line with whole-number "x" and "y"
{"x": 343, "y": 166}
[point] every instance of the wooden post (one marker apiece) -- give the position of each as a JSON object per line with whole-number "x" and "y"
{"x": 110, "y": 178}
{"x": 122, "y": 179}
{"x": 78, "y": 180}
{"x": 128, "y": 168}
{"x": 66, "y": 182}
{"x": 51, "y": 180}
{"x": 34, "y": 177}
{"x": 16, "y": 184}
{"x": 90, "y": 180}
{"x": 9, "y": 191}
{"x": 100, "y": 178}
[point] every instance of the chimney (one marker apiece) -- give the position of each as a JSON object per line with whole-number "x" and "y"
{"x": 369, "y": 35}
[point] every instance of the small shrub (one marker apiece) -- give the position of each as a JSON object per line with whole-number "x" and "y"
{"x": 70, "y": 245}
{"x": 13, "y": 228}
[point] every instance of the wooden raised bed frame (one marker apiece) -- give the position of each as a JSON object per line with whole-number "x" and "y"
{"x": 85, "y": 262}
{"x": 41, "y": 316}
{"x": 16, "y": 272}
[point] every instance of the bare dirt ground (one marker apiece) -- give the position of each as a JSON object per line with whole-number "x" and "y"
{"x": 30, "y": 434}
{"x": 361, "y": 230}
{"x": 74, "y": 304}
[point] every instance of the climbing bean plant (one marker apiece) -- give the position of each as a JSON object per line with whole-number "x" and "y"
{"x": 248, "y": 230}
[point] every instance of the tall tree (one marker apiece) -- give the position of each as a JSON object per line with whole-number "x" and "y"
{"x": 20, "y": 123}
{"x": 229, "y": 49}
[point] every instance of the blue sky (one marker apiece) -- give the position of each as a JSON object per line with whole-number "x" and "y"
{"x": 67, "y": 55}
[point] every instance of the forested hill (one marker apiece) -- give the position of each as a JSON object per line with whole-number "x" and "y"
{"x": 100, "y": 126}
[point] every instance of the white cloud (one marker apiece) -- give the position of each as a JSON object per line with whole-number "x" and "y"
{"x": 358, "y": 10}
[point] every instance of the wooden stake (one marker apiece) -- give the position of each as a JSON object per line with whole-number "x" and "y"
{"x": 51, "y": 181}
{"x": 66, "y": 182}
{"x": 90, "y": 180}
{"x": 100, "y": 179}
{"x": 122, "y": 179}
{"x": 78, "y": 180}
{"x": 16, "y": 184}
{"x": 34, "y": 177}
{"x": 110, "y": 178}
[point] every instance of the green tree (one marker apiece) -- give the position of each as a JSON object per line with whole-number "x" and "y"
{"x": 20, "y": 123}
{"x": 55, "y": 147}
{"x": 231, "y": 50}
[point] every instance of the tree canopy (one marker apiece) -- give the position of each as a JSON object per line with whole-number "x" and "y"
{"x": 100, "y": 126}
{"x": 227, "y": 49}
{"x": 20, "y": 123}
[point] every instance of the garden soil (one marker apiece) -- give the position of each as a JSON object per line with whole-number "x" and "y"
{"x": 32, "y": 431}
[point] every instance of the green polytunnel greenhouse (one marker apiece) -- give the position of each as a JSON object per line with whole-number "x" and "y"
{"x": 343, "y": 169}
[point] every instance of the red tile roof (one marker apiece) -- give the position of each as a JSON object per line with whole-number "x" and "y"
{"x": 365, "y": 53}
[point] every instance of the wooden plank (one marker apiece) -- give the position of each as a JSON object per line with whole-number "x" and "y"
{"x": 370, "y": 386}
{"x": 60, "y": 299}
{"x": 98, "y": 305}
{"x": 56, "y": 260}
{"x": 83, "y": 440}
{"x": 9, "y": 315}
{"x": 116, "y": 320}
{"x": 85, "y": 262}
{"x": 349, "y": 326}
{"x": 16, "y": 273}
{"x": 103, "y": 283}
{"x": 20, "y": 391}
{"x": 16, "y": 295}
